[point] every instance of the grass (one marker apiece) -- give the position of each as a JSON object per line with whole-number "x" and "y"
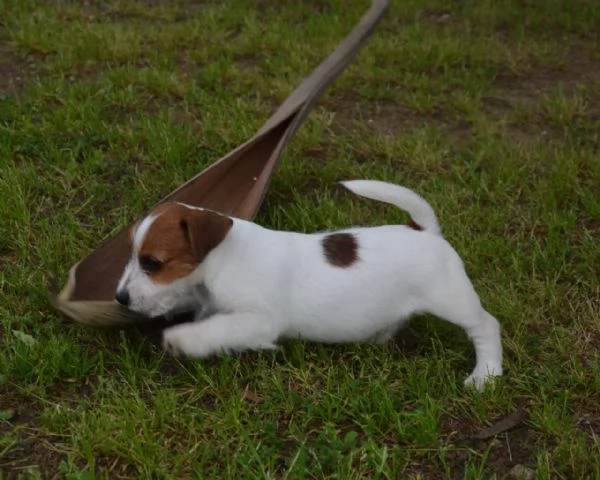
{"x": 491, "y": 110}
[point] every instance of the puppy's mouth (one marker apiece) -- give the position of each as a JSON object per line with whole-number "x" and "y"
{"x": 157, "y": 308}
{"x": 167, "y": 316}
{"x": 149, "y": 313}
{"x": 176, "y": 313}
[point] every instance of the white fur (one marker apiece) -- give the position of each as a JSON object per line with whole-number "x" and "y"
{"x": 265, "y": 285}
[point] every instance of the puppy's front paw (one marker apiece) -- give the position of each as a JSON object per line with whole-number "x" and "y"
{"x": 183, "y": 341}
{"x": 171, "y": 343}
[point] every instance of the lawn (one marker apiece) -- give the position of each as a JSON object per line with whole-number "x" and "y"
{"x": 490, "y": 110}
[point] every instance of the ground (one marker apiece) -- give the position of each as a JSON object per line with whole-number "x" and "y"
{"x": 490, "y": 110}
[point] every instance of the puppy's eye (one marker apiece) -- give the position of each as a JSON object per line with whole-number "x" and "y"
{"x": 150, "y": 264}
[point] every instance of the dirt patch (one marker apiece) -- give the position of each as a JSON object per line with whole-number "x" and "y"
{"x": 383, "y": 117}
{"x": 438, "y": 18}
{"x": 247, "y": 61}
{"x": 15, "y": 71}
{"x": 505, "y": 451}
{"x": 313, "y": 6}
{"x": 587, "y": 413}
{"x": 101, "y": 11}
{"x": 512, "y": 90}
{"x": 7, "y": 257}
{"x": 31, "y": 450}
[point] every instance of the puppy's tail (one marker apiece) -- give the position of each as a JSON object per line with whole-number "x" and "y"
{"x": 423, "y": 216}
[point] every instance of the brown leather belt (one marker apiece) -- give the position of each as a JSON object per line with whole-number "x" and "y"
{"x": 234, "y": 185}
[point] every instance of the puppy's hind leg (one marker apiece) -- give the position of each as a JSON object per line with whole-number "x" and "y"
{"x": 221, "y": 333}
{"x": 460, "y": 305}
{"x": 485, "y": 335}
{"x": 384, "y": 336}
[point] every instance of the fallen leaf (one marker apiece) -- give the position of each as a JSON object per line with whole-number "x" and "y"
{"x": 251, "y": 397}
{"x": 506, "y": 423}
{"x": 520, "y": 472}
{"x": 25, "y": 338}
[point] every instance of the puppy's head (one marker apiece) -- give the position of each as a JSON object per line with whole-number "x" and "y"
{"x": 167, "y": 247}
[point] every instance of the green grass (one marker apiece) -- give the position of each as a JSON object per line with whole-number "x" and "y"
{"x": 491, "y": 110}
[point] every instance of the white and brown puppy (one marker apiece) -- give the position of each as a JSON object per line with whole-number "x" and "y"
{"x": 252, "y": 286}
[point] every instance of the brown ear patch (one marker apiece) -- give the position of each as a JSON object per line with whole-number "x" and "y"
{"x": 179, "y": 239}
{"x": 204, "y": 230}
{"x": 340, "y": 249}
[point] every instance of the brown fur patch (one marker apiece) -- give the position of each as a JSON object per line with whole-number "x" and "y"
{"x": 205, "y": 230}
{"x": 340, "y": 249}
{"x": 180, "y": 238}
{"x": 415, "y": 226}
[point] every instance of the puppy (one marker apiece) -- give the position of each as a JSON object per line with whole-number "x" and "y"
{"x": 252, "y": 286}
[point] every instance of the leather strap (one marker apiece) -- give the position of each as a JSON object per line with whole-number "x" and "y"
{"x": 235, "y": 185}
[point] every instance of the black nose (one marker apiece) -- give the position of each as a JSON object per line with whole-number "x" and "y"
{"x": 122, "y": 297}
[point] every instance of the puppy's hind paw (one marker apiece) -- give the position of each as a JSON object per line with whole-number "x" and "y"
{"x": 482, "y": 377}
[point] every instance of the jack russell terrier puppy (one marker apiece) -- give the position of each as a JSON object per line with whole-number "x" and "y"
{"x": 251, "y": 286}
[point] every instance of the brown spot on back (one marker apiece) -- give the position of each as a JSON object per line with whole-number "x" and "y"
{"x": 180, "y": 238}
{"x": 340, "y": 249}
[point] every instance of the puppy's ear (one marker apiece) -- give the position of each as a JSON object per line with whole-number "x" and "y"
{"x": 204, "y": 230}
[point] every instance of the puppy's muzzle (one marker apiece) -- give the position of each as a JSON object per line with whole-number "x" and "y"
{"x": 123, "y": 297}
